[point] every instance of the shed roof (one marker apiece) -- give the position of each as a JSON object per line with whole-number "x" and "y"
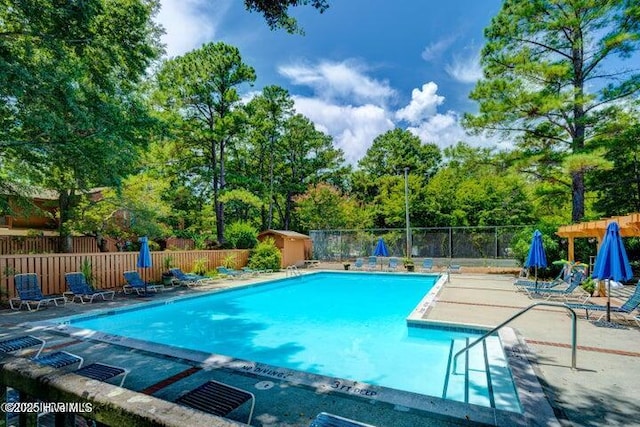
{"x": 286, "y": 233}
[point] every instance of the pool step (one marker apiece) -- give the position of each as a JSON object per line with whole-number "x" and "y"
{"x": 482, "y": 376}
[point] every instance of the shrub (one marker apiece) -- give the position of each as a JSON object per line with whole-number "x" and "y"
{"x": 241, "y": 235}
{"x": 266, "y": 256}
{"x": 200, "y": 266}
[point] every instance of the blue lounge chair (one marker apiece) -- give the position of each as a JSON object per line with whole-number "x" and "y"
{"x": 372, "y": 263}
{"x": 189, "y": 280}
{"x": 217, "y": 398}
{"x": 29, "y": 293}
{"x": 358, "y": 264}
{"x": 393, "y": 264}
{"x": 230, "y": 273}
{"x": 95, "y": 371}
{"x": 324, "y": 419}
{"x": 563, "y": 277}
{"x": 427, "y": 265}
{"x": 253, "y": 272}
{"x": 136, "y": 284}
{"x": 455, "y": 268}
{"x": 80, "y": 289}
{"x": 19, "y": 343}
{"x": 625, "y": 309}
{"x": 573, "y": 290}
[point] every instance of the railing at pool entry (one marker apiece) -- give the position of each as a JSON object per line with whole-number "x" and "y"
{"x": 292, "y": 270}
{"x": 574, "y": 338}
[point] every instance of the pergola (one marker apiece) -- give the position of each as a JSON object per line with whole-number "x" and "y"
{"x": 629, "y": 227}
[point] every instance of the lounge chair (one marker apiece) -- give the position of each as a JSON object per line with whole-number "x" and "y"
{"x": 136, "y": 284}
{"x": 95, "y": 371}
{"x": 29, "y": 293}
{"x": 189, "y": 280}
{"x": 524, "y": 282}
{"x": 253, "y": 272}
{"x": 230, "y": 273}
{"x": 372, "y": 263}
{"x": 217, "y": 398}
{"x": 80, "y": 289}
{"x": 454, "y": 268}
{"x": 358, "y": 264}
{"x": 622, "y": 311}
{"x": 19, "y": 343}
{"x": 427, "y": 265}
{"x": 324, "y": 419}
{"x": 393, "y": 264}
{"x": 570, "y": 292}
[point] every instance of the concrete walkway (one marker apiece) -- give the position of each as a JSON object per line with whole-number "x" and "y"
{"x": 602, "y": 391}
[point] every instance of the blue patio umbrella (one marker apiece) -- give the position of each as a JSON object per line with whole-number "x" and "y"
{"x": 537, "y": 257}
{"x": 612, "y": 262}
{"x": 144, "y": 257}
{"x": 381, "y": 248}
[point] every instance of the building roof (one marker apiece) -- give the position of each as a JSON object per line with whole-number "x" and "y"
{"x": 286, "y": 233}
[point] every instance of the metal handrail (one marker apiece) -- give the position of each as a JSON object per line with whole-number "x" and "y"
{"x": 574, "y": 339}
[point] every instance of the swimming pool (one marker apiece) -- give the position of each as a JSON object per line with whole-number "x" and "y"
{"x": 349, "y": 326}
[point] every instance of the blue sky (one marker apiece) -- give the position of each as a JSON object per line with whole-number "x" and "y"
{"x": 362, "y": 68}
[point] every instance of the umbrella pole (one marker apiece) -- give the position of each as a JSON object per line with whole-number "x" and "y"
{"x": 609, "y": 300}
{"x": 535, "y": 269}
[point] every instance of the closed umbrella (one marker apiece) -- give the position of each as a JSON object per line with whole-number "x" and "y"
{"x": 612, "y": 262}
{"x": 537, "y": 257}
{"x": 381, "y": 248}
{"x": 144, "y": 258}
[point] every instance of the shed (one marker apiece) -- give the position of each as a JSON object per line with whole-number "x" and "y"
{"x": 293, "y": 246}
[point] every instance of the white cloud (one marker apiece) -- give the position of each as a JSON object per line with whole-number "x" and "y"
{"x": 353, "y": 127}
{"x": 423, "y": 104}
{"x": 465, "y": 69}
{"x": 445, "y": 130}
{"x": 189, "y": 23}
{"x": 435, "y": 50}
{"x": 344, "y": 81}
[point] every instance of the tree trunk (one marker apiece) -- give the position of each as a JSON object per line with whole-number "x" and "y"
{"x": 577, "y": 192}
{"x": 64, "y": 203}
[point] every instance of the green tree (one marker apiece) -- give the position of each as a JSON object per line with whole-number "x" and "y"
{"x": 268, "y": 114}
{"x": 618, "y": 188}
{"x": 72, "y": 117}
{"x": 553, "y": 75}
{"x": 201, "y": 88}
{"x": 323, "y": 207}
{"x": 276, "y": 12}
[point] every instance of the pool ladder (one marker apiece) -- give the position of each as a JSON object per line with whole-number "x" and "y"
{"x": 292, "y": 270}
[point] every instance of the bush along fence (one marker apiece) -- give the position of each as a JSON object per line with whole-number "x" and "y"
{"x": 106, "y": 268}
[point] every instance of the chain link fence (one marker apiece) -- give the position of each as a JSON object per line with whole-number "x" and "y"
{"x": 437, "y": 242}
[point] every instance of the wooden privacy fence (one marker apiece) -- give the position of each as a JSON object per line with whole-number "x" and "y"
{"x": 44, "y": 244}
{"x": 107, "y": 267}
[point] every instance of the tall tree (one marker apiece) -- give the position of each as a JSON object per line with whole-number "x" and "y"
{"x": 201, "y": 87}
{"x": 553, "y": 73}
{"x": 72, "y": 117}
{"x": 268, "y": 113}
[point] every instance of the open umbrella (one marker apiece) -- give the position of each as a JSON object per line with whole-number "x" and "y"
{"x": 612, "y": 262}
{"x": 381, "y": 248}
{"x": 537, "y": 257}
{"x": 144, "y": 257}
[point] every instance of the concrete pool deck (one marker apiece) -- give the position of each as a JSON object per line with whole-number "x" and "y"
{"x": 600, "y": 392}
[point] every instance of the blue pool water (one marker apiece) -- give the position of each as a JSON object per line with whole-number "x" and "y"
{"x": 350, "y": 326}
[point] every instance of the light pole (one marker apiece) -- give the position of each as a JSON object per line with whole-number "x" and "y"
{"x": 406, "y": 210}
